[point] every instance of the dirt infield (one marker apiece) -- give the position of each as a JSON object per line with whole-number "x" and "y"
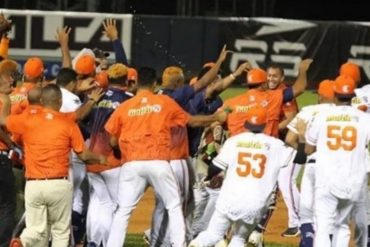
{"x": 142, "y": 217}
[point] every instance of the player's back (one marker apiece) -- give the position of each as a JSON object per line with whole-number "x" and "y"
{"x": 240, "y": 105}
{"x": 341, "y": 136}
{"x": 253, "y": 161}
{"x": 307, "y": 113}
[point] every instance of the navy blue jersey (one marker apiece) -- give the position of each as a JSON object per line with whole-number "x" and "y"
{"x": 181, "y": 95}
{"x": 100, "y": 114}
{"x": 199, "y": 105}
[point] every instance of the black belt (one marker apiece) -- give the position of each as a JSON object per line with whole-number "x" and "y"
{"x": 37, "y": 179}
{"x": 311, "y": 161}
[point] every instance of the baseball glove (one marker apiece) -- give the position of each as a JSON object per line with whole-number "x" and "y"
{"x": 5, "y": 24}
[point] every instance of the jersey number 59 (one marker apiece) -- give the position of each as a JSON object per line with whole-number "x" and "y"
{"x": 341, "y": 137}
{"x": 244, "y": 167}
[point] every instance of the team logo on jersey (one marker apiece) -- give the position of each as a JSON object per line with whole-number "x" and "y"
{"x": 144, "y": 100}
{"x": 243, "y": 108}
{"x": 339, "y": 118}
{"x": 251, "y": 144}
{"x": 144, "y": 110}
{"x": 109, "y": 93}
{"x": 264, "y": 103}
{"x": 49, "y": 116}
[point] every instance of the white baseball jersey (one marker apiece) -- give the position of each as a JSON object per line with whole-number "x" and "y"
{"x": 362, "y": 98}
{"x": 341, "y": 136}
{"x": 306, "y": 114}
{"x": 253, "y": 162}
{"x": 70, "y": 101}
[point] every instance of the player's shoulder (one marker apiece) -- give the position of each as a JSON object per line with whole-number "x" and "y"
{"x": 236, "y": 99}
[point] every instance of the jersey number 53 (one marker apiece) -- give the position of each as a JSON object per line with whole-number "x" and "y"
{"x": 244, "y": 167}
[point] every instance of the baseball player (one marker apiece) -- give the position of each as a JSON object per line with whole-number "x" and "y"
{"x": 287, "y": 176}
{"x": 340, "y": 137}
{"x": 306, "y": 216}
{"x": 103, "y": 180}
{"x": 259, "y": 95}
{"x": 173, "y": 86}
{"x": 252, "y": 169}
{"x": 272, "y": 100}
{"x": 141, "y": 126}
{"x": 360, "y": 209}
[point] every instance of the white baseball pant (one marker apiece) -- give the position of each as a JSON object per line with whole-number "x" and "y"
{"x": 217, "y": 228}
{"x": 159, "y": 235}
{"x": 135, "y": 176}
{"x": 328, "y": 210}
{"x": 206, "y": 204}
{"x": 287, "y": 182}
{"x": 358, "y": 215}
{"x": 306, "y": 202}
{"x": 77, "y": 172}
{"x": 102, "y": 205}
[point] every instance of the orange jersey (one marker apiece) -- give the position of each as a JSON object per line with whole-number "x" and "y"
{"x": 34, "y": 109}
{"x": 271, "y": 99}
{"x": 143, "y": 126}
{"x": 19, "y": 97}
{"x": 179, "y": 143}
{"x": 48, "y": 137}
{"x": 98, "y": 144}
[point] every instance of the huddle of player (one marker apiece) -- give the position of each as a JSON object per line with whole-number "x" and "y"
{"x": 133, "y": 134}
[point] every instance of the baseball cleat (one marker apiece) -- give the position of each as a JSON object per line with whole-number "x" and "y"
{"x": 255, "y": 239}
{"x": 291, "y": 232}
{"x": 146, "y": 239}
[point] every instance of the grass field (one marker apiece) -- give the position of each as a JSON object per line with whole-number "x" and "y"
{"x": 307, "y": 98}
{"x": 136, "y": 240}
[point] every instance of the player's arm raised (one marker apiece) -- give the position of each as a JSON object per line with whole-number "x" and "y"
{"x": 211, "y": 74}
{"x": 62, "y": 36}
{"x": 301, "y": 82}
{"x": 225, "y": 82}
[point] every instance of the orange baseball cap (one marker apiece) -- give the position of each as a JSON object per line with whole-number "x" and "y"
{"x": 344, "y": 86}
{"x": 352, "y": 70}
{"x": 8, "y": 66}
{"x": 256, "y": 119}
{"x": 101, "y": 79}
{"x": 85, "y": 65}
{"x": 33, "y": 68}
{"x": 132, "y": 74}
{"x": 326, "y": 89}
{"x": 256, "y": 76}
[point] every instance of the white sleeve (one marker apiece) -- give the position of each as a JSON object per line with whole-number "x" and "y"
{"x": 223, "y": 159}
{"x": 286, "y": 154}
{"x": 313, "y": 130}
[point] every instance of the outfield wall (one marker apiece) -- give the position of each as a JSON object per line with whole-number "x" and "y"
{"x": 189, "y": 42}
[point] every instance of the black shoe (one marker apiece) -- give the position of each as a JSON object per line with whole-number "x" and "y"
{"x": 291, "y": 232}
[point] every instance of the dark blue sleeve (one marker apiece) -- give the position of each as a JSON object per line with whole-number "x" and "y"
{"x": 182, "y": 95}
{"x": 288, "y": 94}
{"x": 196, "y": 104}
{"x": 212, "y": 106}
{"x": 119, "y": 52}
